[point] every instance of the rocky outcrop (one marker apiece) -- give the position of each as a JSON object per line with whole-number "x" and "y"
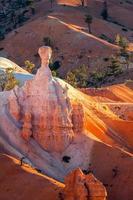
{"x": 83, "y": 187}
{"x": 43, "y": 109}
{"x": 41, "y": 120}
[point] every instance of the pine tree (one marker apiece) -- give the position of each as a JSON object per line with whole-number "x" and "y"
{"x": 104, "y": 13}
{"x": 78, "y": 77}
{"x": 115, "y": 67}
{"x": 89, "y": 20}
{"x": 117, "y": 39}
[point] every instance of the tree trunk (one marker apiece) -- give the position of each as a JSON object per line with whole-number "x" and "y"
{"x": 51, "y": 3}
{"x": 82, "y": 3}
{"x": 89, "y": 27}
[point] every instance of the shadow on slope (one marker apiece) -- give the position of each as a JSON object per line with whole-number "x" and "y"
{"x": 25, "y": 183}
{"x": 114, "y": 168}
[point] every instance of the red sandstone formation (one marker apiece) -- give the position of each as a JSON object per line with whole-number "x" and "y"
{"x": 83, "y": 187}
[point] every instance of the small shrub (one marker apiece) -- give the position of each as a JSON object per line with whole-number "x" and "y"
{"x": 32, "y": 10}
{"x": 71, "y": 79}
{"x": 104, "y": 37}
{"x": 97, "y": 78}
{"x": 122, "y": 42}
{"x": 115, "y": 67}
{"x": 124, "y": 29}
{"x": 78, "y": 77}
{"x": 2, "y": 32}
{"x": 104, "y": 14}
{"x": 2, "y": 36}
{"x": 29, "y": 66}
{"x": 105, "y": 108}
{"x": 8, "y": 80}
{"x": 48, "y": 42}
{"x": 55, "y": 65}
{"x": 55, "y": 73}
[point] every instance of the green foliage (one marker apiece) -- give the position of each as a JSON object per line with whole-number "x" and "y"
{"x": 13, "y": 14}
{"x": 71, "y": 79}
{"x": 29, "y": 66}
{"x": 88, "y": 19}
{"x": 128, "y": 58}
{"x": 78, "y": 77}
{"x": 48, "y": 41}
{"x": 117, "y": 39}
{"x": 97, "y": 78}
{"x": 2, "y": 32}
{"x": 7, "y": 79}
{"x": 32, "y": 7}
{"x": 115, "y": 67}
{"x": 54, "y": 65}
{"x": 104, "y": 14}
{"x": 30, "y": 2}
{"x": 122, "y": 42}
{"x": 2, "y": 80}
{"x": 55, "y": 73}
{"x": 104, "y": 37}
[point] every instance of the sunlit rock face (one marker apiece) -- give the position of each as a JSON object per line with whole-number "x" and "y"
{"x": 83, "y": 187}
{"x": 42, "y": 108}
{"x": 43, "y": 121}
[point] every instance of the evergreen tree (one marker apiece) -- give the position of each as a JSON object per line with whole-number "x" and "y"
{"x": 78, "y": 77}
{"x": 104, "y": 13}
{"x": 115, "y": 68}
{"x": 117, "y": 39}
{"x": 89, "y": 20}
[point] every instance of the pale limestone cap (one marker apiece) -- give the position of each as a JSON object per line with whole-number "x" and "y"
{"x": 45, "y": 54}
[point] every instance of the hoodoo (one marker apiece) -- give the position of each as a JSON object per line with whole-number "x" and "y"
{"x": 41, "y": 121}
{"x": 43, "y": 109}
{"x": 83, "y": 187}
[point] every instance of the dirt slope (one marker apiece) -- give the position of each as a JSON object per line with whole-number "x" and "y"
{"x": 112, "y": 113}
{"x": 73, "y": 45}
{"x": 24, "y": 182}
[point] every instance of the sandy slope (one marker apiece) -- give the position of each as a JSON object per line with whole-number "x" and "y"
{"x": 114, "y": 109}
{"x": 24, "y": 182}
{"x": 73, "y": 45}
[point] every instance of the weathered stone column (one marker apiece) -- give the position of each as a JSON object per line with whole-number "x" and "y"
{"x": 83, "y": 187}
